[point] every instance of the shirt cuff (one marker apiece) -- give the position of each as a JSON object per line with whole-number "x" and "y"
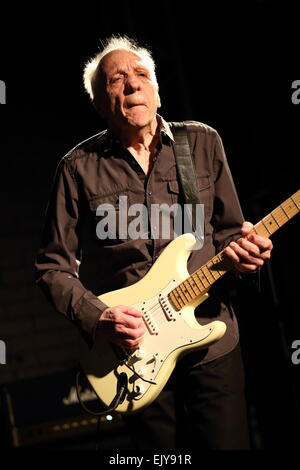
{"x": 88, "y": 311}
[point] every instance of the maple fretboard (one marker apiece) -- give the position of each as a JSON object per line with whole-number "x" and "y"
{"x": 201, "y": 280}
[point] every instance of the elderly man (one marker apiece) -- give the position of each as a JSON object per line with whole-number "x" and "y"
{"x": 202, "y": 405}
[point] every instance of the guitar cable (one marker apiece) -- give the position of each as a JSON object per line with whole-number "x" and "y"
{"x": 117, "y": 400}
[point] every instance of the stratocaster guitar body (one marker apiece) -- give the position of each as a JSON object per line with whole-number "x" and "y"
{"x": 167, "y": 296}
{"x": 169, "y": 333}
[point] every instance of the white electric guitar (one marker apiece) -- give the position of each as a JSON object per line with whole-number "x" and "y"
{"x": 167, "y": 295}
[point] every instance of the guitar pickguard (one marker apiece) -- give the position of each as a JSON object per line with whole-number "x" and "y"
{"x": 167, "y": 330}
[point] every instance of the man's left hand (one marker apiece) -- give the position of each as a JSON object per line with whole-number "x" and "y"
{"x": 249, "y": 252}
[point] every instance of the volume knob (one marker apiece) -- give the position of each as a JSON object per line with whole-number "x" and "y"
{"x": 142, "y": 371}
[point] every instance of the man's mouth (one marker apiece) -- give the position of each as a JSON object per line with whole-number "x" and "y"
{"x": 132, "y": 105}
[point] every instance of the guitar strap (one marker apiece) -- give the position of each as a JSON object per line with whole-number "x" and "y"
{"x": 187, "y": 173}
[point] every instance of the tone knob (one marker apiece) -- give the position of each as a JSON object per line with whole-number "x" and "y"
{"x": 140, "y": 353}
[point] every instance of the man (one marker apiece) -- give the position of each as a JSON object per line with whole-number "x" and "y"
{"x": 135, "y": 158}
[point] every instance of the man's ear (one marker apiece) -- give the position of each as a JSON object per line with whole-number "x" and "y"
{"x": 158, "y": 99}
{"x": 99, "y": 95}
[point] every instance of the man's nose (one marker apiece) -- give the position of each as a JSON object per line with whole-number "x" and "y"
{"x": 132, "y": 84}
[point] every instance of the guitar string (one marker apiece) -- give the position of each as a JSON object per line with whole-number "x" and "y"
{"x": 280, "y": 219}
{"x": 278, "y": 214}
{"x": 191, "y": 292}
{"x": 281, "y": 215}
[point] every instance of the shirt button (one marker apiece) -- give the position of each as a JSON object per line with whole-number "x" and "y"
{"x": 149, "y": 192}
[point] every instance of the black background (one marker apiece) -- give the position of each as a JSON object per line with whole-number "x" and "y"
{"x": 228, "y": 64}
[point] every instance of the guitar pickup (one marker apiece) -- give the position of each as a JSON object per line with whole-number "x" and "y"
{"x": 166, "y": 307}
{"x": 150, "y": 323}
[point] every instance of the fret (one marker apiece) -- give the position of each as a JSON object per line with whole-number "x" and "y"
{"x": 266, "y": 227}
{"x": 295, "y": 202}
{"x": 269, "y": 223}
{"x": 221, "y": 261}
{"x": 207, "y": 274}
{"x": 296, "y": 196}
{"x": 184, "y": 297}
{"x": 199, "y": 282}
{"x": 222, "y": 271}
{"x": 194, "y": 285}
{"x": 285, "y": 212}
{"x": 289, "y": 208}
{"x": 261, "y": 230}
{"x": 279, "y": 216}
{"x": 216, "y": 262}
{"x": 202, "y": 279}
{"x": 188, "y": 289}
{"x": 220, "y": 256}
{"x": 179, "y": 297}
{"x": 274, "y": 220}
{"x": 174, "y": 300}
{"x": 215, "y": 273}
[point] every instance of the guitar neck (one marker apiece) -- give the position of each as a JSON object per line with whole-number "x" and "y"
{"x": 201, "y": 280}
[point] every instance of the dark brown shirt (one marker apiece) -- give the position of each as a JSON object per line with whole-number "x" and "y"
{"x": 74, "y": 266}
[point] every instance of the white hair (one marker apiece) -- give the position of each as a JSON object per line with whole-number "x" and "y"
{"x": 112, "y": 44}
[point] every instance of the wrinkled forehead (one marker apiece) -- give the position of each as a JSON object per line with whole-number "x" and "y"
{"x": 123, "y": 60}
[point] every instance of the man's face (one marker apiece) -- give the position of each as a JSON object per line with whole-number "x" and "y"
{"x": 130, "y": 95}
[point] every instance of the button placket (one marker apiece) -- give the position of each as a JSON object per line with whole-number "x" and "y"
{"x": 149, "y": 200}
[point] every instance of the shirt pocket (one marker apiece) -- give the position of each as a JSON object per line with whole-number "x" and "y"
{"x": 109, "y": 216}
{"x": 204, "y": 187}
{"x": 174, "y": 190}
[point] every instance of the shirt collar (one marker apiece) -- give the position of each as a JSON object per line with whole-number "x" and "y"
{"x": 108, "y": 139}
{"x": 164, "y": 127}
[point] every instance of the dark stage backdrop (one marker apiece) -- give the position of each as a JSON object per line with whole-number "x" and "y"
{"x": 232, "y": 65}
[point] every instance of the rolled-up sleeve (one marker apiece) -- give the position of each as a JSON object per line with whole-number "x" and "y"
{"x": 58, "y": 258}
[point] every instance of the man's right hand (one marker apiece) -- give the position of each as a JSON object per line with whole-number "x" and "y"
{"x": 122, "y": 325}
